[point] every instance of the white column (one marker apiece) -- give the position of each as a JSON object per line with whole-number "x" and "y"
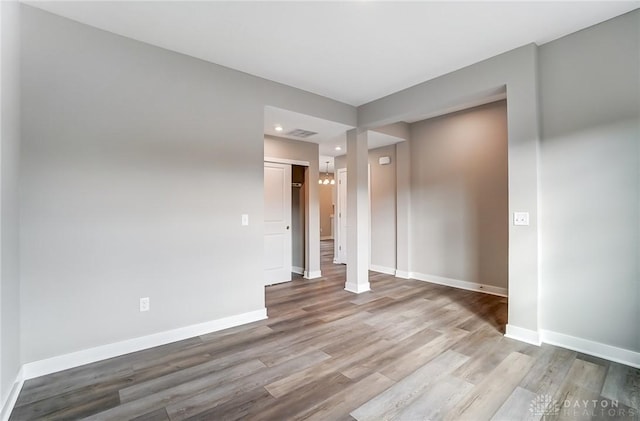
{"x": 403, "y": 208}
{"x": 357, "y": 212}
{"x": 312, "y": 212}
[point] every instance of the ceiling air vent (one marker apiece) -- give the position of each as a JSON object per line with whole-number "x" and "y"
{"x": 302, "y": 134}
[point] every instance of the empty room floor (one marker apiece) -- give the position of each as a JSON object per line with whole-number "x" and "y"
{"x": 408, "y": 350}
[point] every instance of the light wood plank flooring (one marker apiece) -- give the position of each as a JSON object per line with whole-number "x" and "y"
{"x": 408, "y": 350}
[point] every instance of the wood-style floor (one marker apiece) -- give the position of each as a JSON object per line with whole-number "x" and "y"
{"x": 408, "y": 350}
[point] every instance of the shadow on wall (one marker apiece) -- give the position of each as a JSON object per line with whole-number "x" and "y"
{"x": 460, "y": 198}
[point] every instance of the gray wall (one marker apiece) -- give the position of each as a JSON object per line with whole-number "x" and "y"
{"x": 136, "y": 165}
{"x": 326, "y": 207}
{"x": 400, "y": 129}
{"x": 590, "y": 183}
{"x": 9, "y": 151}
{"x": 517, "y": 71}
{"x": 382, "y": 195}
{"x": 459, "y": 196}
{"x": 129, "y": 151}
{"x": 586, "y": 175}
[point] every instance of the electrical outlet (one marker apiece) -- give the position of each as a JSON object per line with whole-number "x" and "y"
{"x": 521, "y": 218}
{"x": 245, "y": 219}
{"x": 144, "y": 304}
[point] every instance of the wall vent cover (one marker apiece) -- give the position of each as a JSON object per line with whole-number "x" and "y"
{"x": 303, "y": 134}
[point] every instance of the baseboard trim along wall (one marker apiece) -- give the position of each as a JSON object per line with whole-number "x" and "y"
{"x": 382, "y": 269}
{"x": 297, "y": 269}
{"x": 75, "y": 359}
{"x": 12, "y": 398}
{"x": 313, "y": 274}
{"x": 103, "y": 352}
{"x": 456, "y": 283}
{"x": 586, "y": 346}
{"x": 597, "y": 349}
{"x": 524, "y": 335}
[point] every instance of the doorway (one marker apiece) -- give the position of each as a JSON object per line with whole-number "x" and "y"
{"x": 340, "y": 251}
{"x": 277, "y": 223}
{"x": 298, "y": 218}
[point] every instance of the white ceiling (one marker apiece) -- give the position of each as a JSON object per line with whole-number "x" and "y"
{"x": 323, "y": 164}
{"x": 330, "y": 135}
{"x": 375, "y": 140}
{"x": 353, "y": 52}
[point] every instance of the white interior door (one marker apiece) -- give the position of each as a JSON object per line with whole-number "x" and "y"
{"x": 341, "y": 244}
{"x": 277, "y": 223}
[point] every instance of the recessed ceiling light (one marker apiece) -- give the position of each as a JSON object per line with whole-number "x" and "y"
{"x": 338, "y": 148}
{"x": 278, "y": 128}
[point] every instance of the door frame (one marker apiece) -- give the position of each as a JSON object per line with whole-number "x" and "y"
{"x": 280, "y": 227}
{"x": 306, "y": 164}
{"x": 339, "y": 235}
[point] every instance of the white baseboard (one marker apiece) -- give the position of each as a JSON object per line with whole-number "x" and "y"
{"x": 313, "y": 274}
{"x": 103, "y": 352}
{"x": 597, "y": 349}
{"x": 297, "y": 269}
{"x": 382, "y": 269}
{"x": 326, "y": 237}
{"x": 524, "y": 335}
{"x": 10, "y": 402}
{"x": 403, "y": 274}
{"x": 586, "y": 346}
{"x": 357, "y": 288}
{"x": 471, "y": 286}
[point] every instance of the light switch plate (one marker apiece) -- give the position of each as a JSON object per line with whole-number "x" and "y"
{"x": 144, "y": 304}
{"x": 245, "y": 219}
{"x": 521, "y": 218}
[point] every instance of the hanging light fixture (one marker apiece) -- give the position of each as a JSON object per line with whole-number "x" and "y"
{"x": 326, "y": 179}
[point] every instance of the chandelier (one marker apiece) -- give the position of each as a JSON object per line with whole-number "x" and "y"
{"x": 326, "y": 179}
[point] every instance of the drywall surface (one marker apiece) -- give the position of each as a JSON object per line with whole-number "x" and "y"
{"x": 400, "y": 129}
{"x": 517, "y": 70}
{"x": 137, "y": 164}
{"x": 326, "y": 208}
{"x": 9, "y": 155}
{"x": 590, "y": 158}
{"x": 382, "y": 197}
{"x": 459, "y": 196}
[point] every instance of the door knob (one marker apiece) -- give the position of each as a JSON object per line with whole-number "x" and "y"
{"x": 287, "y": 226}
